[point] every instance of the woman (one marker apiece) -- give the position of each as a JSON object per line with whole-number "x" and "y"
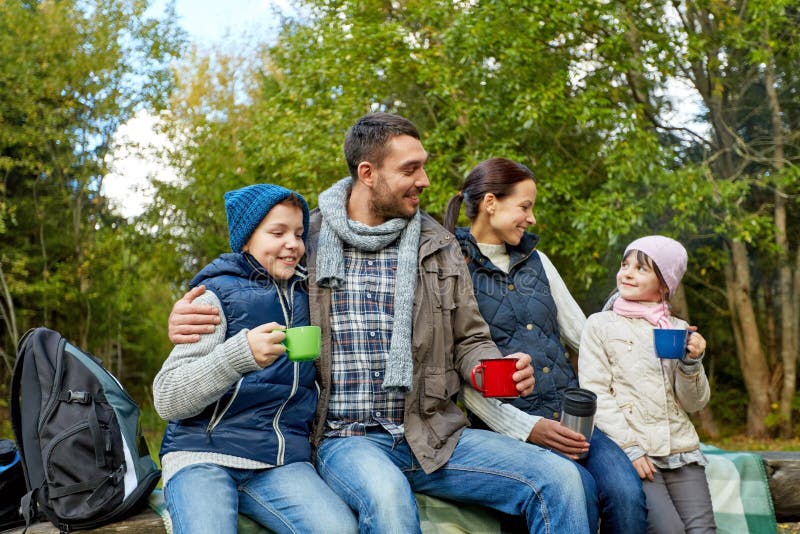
{"x": 528, "y": 307}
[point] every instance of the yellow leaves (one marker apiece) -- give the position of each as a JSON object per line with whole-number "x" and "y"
{"x": 718, "y": 89}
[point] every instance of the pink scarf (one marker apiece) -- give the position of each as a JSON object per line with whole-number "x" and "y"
{"x": 657, "y": 315}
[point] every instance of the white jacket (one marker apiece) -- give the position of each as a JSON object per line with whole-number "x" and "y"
{"x": 641, "y": 399}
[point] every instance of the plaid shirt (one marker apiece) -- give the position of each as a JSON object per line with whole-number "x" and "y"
{"x": 362, "y": 316}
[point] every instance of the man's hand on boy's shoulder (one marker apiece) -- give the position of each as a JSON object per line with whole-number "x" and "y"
{"x": 188, "y": 320}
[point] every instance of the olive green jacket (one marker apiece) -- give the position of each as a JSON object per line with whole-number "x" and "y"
{"x": 449, "y": 338}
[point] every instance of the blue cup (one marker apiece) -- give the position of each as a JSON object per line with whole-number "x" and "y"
{"x": 670, "y": 342}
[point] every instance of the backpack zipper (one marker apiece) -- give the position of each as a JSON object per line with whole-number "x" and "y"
{"x": 56, "y": 387}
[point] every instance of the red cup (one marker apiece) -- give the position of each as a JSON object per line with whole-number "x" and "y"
{"x": 496, "y": 377}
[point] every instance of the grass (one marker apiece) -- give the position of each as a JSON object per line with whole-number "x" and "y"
{"x": 745, "y": 443}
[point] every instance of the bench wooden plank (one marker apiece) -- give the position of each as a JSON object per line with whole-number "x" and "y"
{"x": 783, "y": 471}
{"x": 145, "y": 522}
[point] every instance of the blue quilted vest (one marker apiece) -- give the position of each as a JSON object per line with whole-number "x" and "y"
{"x": 267, "y": 415}
{"x": 522, "y": 317}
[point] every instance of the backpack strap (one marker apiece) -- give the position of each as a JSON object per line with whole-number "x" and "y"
{"x": 28, "y": 506}
{"x": 94, "y": 485}
{"x": 16, "y": 381}
{"x": 101, "y": 445}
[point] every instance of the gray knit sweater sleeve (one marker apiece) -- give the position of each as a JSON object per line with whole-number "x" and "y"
{"x": 198, "y": 374}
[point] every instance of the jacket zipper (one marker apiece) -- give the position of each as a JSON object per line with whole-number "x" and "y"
{"x": 217, "y": 416}
{"x": 215, "y": 419}
{"x": 288, "y": 317}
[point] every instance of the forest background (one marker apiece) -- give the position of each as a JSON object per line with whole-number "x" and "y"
{"x": 582, "y": 92}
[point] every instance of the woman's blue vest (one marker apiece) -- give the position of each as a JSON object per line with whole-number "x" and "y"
{"x": 522, "y": 317}
{"x": 267, "y": 415}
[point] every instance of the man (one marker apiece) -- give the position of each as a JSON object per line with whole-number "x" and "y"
{"x": 400, "y": 330}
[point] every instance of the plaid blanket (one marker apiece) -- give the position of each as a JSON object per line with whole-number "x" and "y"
{"x": 436, "y": 517}
{"x": 737, "y": 480}
{"x": 739, "y": 492}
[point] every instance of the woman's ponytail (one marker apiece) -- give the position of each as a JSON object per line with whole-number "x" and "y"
{"x": 451, "y": 213}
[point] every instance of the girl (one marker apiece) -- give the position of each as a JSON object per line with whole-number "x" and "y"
{"x": 239, "y": 411}
{"x": 643, "y": 400}
{"x": 529, "y": 308}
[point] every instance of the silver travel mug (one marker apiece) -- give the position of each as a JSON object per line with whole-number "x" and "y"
{"x": 577, "y": 412}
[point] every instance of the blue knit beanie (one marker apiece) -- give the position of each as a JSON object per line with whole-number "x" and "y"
{"x": 247, "y": 207}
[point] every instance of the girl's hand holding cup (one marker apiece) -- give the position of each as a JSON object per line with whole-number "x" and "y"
{"x": 266, "y": 343}
{"x": 696, "y": 345}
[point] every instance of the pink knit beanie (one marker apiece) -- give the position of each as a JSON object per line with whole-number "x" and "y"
{"x": 668, "y": 254}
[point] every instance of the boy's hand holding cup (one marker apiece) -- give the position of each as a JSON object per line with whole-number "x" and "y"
{"x": 266, "y": 343}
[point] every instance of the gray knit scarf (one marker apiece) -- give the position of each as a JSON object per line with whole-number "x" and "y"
{"x": 338, "y": 229}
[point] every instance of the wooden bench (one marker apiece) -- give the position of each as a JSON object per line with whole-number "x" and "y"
{"x": 146, "y": 522}
{"x": 783, "y": 470}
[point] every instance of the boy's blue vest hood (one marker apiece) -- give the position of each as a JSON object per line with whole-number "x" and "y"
{"x": 522, "y": 317}
{"x": 266, "y": 416}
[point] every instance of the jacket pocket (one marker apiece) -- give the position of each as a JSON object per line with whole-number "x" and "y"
{"x": 438, "y": 408}
{"x": 627, "y": 409}
{"x": 433, "y": 310}
{"x": 446, "y": 282}
{"x": 439, "y": 386}
{"x": 619, "y": 349}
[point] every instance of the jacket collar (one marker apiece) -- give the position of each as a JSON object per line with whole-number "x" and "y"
{"x": 244, "y": 265}
{"x": 432, "y": 236}
{"x": 517, "y": 253}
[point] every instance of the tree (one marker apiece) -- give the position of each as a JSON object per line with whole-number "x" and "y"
{"x": 741, "y": 60}
{"x": 576, "y": 90}
{"x": 70, "y": 73}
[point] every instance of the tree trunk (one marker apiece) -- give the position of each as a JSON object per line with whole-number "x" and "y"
{"x": 9, "y": 315}
{"x": 752, "y": 360}
{"x": 785, "y": 295}
{"x": 705, "y": 417}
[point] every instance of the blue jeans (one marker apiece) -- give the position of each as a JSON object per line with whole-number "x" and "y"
{"x": 617, "y": 485}
{"x": 206, "y": 498}
{"x": 378, "y": 480}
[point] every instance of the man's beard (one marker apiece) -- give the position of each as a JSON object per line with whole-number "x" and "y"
{"x": 386, "y": 209}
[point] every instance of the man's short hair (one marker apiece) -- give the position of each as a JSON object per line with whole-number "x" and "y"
{"x": 368, "y": 138}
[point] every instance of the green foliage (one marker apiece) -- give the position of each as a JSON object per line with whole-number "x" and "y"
{"x": 575, "y": 90}
{"x": 71, "y": 72}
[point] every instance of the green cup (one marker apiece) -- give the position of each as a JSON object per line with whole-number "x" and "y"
{"x": 303, "y": 343}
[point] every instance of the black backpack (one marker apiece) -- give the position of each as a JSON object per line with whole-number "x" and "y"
{"x": 85, "y": 459}
{"x": 12, "y": 485}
